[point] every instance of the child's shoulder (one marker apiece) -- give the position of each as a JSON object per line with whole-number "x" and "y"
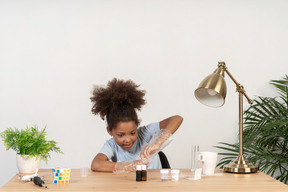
{"x": 154, "y": 124}
{"x": 150, "y": 128}
{"x": 111, "y": 143}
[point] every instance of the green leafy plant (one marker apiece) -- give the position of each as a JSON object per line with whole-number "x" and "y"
{"x": 265, "y": 134}
{"x": 30, "y": 141}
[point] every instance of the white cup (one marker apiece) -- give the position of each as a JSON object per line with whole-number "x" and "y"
{"x": 209, "y": 160}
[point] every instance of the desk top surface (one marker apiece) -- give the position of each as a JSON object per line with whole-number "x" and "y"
{"x": 99, "y": 181}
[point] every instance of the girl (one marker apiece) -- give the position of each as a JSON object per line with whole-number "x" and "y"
{"x": 117, "y": 103}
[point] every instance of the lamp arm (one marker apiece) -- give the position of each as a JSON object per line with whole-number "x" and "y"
{"x": 239, "y": 87}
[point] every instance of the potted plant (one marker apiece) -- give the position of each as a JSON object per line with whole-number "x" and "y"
{"x": 265, "y": 134}
{"x": 31, "y": 146}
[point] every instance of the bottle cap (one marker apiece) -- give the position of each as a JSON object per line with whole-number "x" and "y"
{"x": 143, "y": 167}
{"x": 175, "y": 171}
{"x": 138, "y": 167}
{"x": 164, "y": 171}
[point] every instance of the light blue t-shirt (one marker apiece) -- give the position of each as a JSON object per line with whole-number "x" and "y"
{"x": 116, "y": 153}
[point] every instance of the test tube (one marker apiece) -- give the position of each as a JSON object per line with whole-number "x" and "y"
{"x": 194, "y": 153}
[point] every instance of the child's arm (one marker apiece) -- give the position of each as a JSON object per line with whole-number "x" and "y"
{"x": 101, "y": 163}
{"x": 171, "y": 124}
{"x": 168, "y": 127}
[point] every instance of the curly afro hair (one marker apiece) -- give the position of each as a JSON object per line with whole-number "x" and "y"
{"x": 117, "y": 102}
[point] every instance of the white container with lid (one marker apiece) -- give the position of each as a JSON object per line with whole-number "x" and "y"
{"x": 175, "y": 174}
{"x": 164, "y": 174}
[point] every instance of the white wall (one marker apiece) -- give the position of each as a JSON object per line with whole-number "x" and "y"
{"x": 53, "y": 52}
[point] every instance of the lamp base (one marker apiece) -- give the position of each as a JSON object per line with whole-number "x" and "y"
{"x": 240, "y": 165}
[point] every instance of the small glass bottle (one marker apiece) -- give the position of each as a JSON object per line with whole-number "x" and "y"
{"x": 144, "y": 173}
{"x": 138, "y": 173}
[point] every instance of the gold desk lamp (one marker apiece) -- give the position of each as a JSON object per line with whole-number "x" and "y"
{"x": 212, "y": 92}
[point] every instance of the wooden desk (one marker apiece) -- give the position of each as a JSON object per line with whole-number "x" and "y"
{"x": 126, "y": 182}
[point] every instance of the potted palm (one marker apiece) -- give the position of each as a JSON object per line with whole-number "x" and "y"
{"x": 31, "y": 146}
{"x": 265, "y": 134}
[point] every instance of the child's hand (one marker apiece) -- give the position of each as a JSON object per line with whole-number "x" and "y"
{"x": 148, "y": 151}
{"x": 158, "y": 142}
{"x": 126, "y": 167}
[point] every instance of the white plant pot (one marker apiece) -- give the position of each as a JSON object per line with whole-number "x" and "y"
{"x": 27, "y": 165}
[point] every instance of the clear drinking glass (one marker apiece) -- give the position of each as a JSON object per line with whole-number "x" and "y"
{"x": 84, "y": 171}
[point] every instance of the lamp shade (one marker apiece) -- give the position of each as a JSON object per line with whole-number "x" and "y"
{"x": 212, "y": 90}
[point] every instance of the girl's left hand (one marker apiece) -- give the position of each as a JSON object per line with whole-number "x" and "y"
{"x": 148, "y": 151}
{"x": 159, "y": 139}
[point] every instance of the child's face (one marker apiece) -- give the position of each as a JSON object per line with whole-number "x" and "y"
{"x": 125, "y": 134}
